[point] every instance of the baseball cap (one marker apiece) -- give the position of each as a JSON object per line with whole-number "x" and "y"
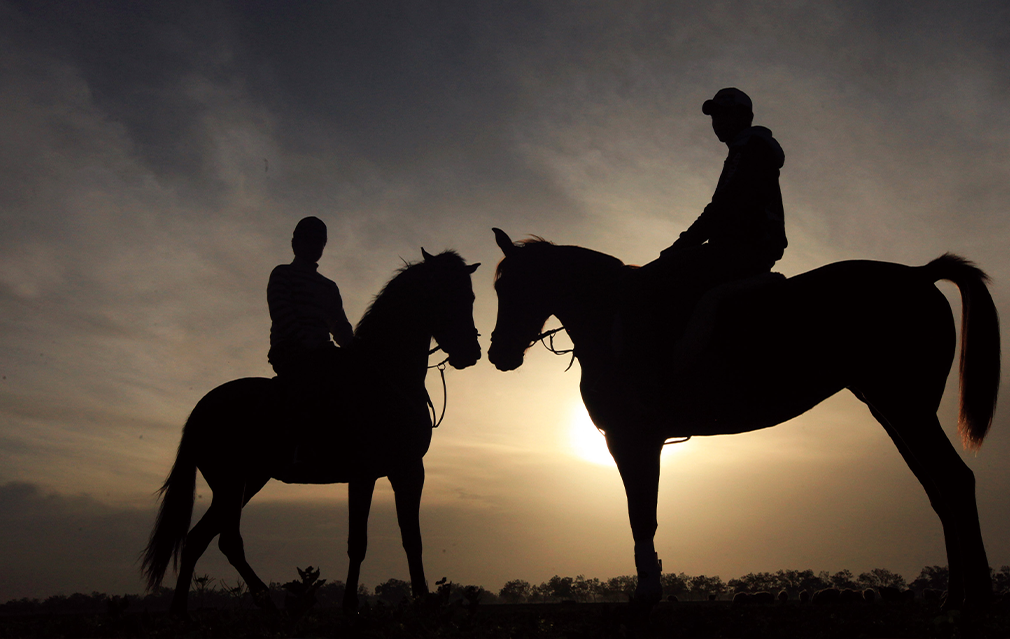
{"x": 726, "y": 99}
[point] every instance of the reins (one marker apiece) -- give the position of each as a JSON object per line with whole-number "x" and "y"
{"x": 549, "y": 344}
{"x": 445, "y": 395}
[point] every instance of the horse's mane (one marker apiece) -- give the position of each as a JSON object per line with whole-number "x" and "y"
{"x": 538, "y": 245}
{"x": 402, "y": 283}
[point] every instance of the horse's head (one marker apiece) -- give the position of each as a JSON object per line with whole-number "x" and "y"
{"x": 451, "y": 298}
{"x": 522, "y": 301}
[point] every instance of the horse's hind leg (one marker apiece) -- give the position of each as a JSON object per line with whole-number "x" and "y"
{"x": 196, "y": 543}
{"x": 199, "y": 537}
{"x": 359, "y": 502}
{"x": 407, "y": 484}
{"x": 950, "y": 486}
{"x": 233, "y": 497}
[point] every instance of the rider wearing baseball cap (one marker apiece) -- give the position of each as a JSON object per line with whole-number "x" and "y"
{"x": 745, "y": 217}
{"x": 740, "y": 234}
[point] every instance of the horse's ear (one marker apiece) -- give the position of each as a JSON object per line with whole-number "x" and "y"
{"x": 504, "y": 242}
{"x": 425, "y": 254}
{"x": 473, "y": 267}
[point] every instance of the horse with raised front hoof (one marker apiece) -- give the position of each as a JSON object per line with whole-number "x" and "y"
{"x": 769, "y": 357}
{"x": 379, "y": 428}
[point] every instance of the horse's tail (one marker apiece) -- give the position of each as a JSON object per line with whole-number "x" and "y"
{"x": 980, "y": 349}
{"x": 176, "y": 511}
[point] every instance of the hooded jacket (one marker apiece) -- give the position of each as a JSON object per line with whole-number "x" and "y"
{"x": 746, "y": 208}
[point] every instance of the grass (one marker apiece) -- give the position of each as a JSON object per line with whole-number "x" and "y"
{"x": 432, "y": 618}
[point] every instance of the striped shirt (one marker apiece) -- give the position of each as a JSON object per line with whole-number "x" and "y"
{"x": 305, "y": 309}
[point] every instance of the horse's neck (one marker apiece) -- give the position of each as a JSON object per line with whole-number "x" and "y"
{"x": 398, "y": 349}
{"x": 589, "y": 328}
{"x": 587, "y": 310}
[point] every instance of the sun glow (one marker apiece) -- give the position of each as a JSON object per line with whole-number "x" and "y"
{"x": 588, "y": 443}
{"x": 586, "y": 440}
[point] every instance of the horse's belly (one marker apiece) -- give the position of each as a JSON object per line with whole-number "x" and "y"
{"x": 710, "y": 403}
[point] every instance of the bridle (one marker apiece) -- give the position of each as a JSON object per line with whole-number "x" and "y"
{"x": 549, "y": 344}
{"x": 445, "y": 394}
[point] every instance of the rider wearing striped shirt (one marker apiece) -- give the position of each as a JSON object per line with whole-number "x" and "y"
{"x": 305, "y": 310}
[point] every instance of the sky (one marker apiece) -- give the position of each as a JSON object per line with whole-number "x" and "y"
{"x": 155, "y": 158}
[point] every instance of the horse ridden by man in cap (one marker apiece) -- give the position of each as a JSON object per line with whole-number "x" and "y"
{"x": 739, "y": 235}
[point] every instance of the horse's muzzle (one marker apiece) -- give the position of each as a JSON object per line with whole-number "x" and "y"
{"x": 464, "y": 361}
{"x": 504, "y": 361}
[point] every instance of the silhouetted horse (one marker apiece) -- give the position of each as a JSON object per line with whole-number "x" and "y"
{"x": 881, "y": 330}
{"x": 237, "y": 434}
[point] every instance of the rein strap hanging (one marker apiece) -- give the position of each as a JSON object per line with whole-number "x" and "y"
{"x": 445, "y": 395}
{"x": 549, "y": 344}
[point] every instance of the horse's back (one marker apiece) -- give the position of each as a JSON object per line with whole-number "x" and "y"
{"x": 360, "y": 437}
{"x": 778, "y": 351}
{"x": 248, "y": 394}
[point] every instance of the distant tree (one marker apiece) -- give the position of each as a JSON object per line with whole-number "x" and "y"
{"x": 515, "y": 591}
{"x": 792, "y": 580}
{"x": 619, "y": 588}
{"x": 675, "y": 585}
{"x": 843, "y": 579}
{"x": 881, "y": 578}
{"x": 812, "y": 583}
{"x": 702, "y": 587}
{"x": 932, "y": 577}
{"x": 541, "y": 592}
{"x": 755, "y": 582}
{"x": 473, "y": 596}
{"x": 393, "y": 591}
{"x": 561, "y": 588}
{"x": 331, "y": 593}
{"x": 585, "y": 589}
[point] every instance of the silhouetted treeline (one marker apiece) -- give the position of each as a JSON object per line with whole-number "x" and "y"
{"x": 309, "y": 591}
{"x": 701, "y": 588}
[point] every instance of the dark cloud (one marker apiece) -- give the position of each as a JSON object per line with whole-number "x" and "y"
{"x": 379, "y": 96}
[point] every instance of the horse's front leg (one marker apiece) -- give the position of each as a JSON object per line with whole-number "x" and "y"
{"x": 359, "y": 502}
{"x": 637, "y": 460}
{"x": 408, "y": 482}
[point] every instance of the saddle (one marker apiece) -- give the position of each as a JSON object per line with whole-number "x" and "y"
{"x": 365, "y": 427}
{"x": 682, "y": 349}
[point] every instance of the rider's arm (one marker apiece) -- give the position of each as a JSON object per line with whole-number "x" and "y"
{"x": 741, "y": 190}
{"x": 280, "y": 302}
{"x": 336, "y": 320}
{"x": 739, "y": 204}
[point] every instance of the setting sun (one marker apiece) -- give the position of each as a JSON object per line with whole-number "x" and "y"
{"x": 588, "y": 443}
{"x": 586, "y": 440}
